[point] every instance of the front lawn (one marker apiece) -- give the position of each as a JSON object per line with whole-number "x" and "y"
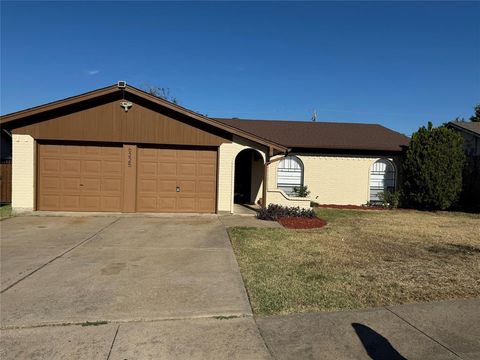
{"x": 360, "y": 259}
{"x": 5, "y": 211}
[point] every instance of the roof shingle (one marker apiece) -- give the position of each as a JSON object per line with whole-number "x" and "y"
{"x": 323, "y": 135}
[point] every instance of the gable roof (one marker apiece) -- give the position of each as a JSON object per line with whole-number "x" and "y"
{"x": 324, "y": 135}
{"x": 10, "y": 120}
{"x": 470, "y": 127}
{"x": 274, "y": 134}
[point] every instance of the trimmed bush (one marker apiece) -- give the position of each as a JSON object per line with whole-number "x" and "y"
{"x": 274, "y": 212}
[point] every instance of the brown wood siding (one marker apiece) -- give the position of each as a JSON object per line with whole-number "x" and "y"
{"x": 176, "y": 180}
{"x": 5, "y": 181}
{"x": 144, "y": 123}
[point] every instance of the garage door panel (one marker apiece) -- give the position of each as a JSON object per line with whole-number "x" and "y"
{"x": 70, "y": 166}
{"x": 206, "y": 170}
{"x": 206, "y": 156}
{"x": 51, "y": 201}
{"x": 51, "y": 165}
{"x": 69, "y": 150}
{"x": 110, "y": 203}
{"x": 147, "y": 186}
{"x": 147, "y": 154}
{"x": 167, "y": 168}
{"x": 112, "y": 152}
{"x": 89, "y": 185}
{"x": 90, "y": 203}
{"x": 166, "y": 186}
{"x": 168, "y": 203}
{"x": 68, "y": 184}
{"x": 147, "y": 203}
{"x": 186, "y": 156}
{"x": 50, "y": 149}
{"x": 111, "y": 168}
{"x": 206, "y": 187}
{"x": 80, "y": 178}
{"x": 70, "y": 202}
{"x": 111, "y": 185}
{"x": 148, "y": 168}
{"x": 188, "y": 170}
{"x": 205, "y": 205}
{"x": 193, "y": 171}
{"x": 91, "y": 167}
{"x": 187, "y": 186}
{"x": 186, "y": 203}
{"x": 52, "y": 183}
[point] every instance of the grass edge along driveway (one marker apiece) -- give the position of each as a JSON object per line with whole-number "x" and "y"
{"x": 361, "y": 259}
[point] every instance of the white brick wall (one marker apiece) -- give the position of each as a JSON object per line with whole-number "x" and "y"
{"x": 333, "y": 179}
{"x": 23, "y": 173}
{"x": 226, "y": 170}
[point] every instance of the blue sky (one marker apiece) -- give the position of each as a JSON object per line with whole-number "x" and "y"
{"x": 399, "y": 64}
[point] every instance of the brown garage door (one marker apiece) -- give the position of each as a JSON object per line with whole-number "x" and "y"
{"x": 176, "y": 180}
{"x": 80, "y": 178}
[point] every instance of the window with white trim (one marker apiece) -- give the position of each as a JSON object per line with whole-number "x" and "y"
{"x": 382, "y": 178}
{"x": 289, "y": 174}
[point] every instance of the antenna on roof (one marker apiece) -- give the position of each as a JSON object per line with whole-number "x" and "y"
{"x": 314, "y": 115}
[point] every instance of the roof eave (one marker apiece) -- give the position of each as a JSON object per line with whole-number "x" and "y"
{"x": 457, "y": 126}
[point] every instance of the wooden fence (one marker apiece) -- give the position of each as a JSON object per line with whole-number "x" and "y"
{"x": 5, "y": 181}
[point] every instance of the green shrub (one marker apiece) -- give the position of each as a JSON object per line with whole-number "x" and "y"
{"x": 274, "y": 212}
{"x": 432, "y": 169}
{"x": 389, "y": 199}
{"x": 301, "y": 191}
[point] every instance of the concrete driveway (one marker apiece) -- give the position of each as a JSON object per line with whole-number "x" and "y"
{"x": 152, "y": 281}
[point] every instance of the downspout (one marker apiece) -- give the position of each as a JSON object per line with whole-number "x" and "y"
{"x": 265, "y": 173}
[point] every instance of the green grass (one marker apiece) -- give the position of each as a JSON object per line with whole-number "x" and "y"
{"x": 5, "y": 211}
{"x": 360, "y": 259}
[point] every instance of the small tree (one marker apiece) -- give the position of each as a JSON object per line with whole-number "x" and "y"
{"x": 161, "y": 92}
{"x": 476, "y": 117}
{"x": 432, "y": 168}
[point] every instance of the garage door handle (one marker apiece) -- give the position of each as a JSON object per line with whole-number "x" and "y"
{"x": 177, "y": 189}
{"x": 81, "y": 184}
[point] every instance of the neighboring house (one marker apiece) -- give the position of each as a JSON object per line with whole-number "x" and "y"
{"x": 470, "y": 132}
{"x": 122, "y": 149}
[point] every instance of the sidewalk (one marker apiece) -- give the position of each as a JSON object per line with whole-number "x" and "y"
{"x": 442, "y": 330}
{"x": 436, "y": 331}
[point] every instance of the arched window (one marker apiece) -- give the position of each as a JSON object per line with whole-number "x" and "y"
{"x": 289, "y": 174}
{"x": 382, "y": 178}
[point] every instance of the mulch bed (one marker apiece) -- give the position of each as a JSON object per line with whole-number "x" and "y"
{"x": 294, "y": 222}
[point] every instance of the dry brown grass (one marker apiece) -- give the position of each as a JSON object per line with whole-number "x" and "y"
{"x": 361, "y": 259}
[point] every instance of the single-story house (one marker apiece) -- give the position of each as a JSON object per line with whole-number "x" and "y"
{"x": 121, "y": 149}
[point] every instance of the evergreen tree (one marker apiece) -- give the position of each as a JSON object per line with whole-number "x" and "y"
{"x": 433, "y": 168}
{"x": 476, "y": 117}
